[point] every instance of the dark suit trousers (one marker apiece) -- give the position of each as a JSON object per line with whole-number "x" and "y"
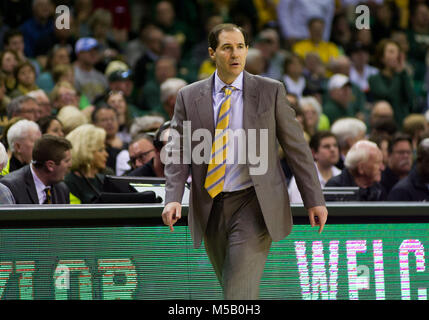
{"x": 237, "y": 243}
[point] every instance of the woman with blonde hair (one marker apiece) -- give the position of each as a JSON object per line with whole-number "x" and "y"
{"x": 89, "y": 157}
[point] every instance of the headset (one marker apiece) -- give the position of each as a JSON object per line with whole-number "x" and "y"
{"x": 157, "y": 142}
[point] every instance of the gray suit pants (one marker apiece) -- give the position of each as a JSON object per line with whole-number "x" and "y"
{"x": 237, "y": 243}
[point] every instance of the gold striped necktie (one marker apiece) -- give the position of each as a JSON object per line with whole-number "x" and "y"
{"x": 215, "y": 177}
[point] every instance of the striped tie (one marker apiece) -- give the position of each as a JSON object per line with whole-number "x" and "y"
{"x": 216, "y": 170}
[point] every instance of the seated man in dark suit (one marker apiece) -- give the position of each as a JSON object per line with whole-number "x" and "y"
{"x": 41, "y": 181}
{"x": 363, "y": 166}
{"x": 414, "y": 187}
{"x": 399, "y": 160}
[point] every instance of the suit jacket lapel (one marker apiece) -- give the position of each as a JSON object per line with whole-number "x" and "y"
{"x": 250, "y": 100}
{"x": 204, "y": 105}
{"x": 31, "y": 187}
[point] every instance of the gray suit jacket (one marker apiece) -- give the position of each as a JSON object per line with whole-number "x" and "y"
{"x": 21, "y": 184}
{"x": 265, "y": 107}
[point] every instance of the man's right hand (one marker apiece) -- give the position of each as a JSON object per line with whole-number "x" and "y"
{"x": 172, "y": 212}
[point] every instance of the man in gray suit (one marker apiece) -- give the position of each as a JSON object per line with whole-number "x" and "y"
{"x": 249, "y": 210}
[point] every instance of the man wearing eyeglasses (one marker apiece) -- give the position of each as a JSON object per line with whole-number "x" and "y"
{"x": 25, "y": 107}
{"x": 399, "y": 161}
{"x": 147, "y": 159}
{"x": 141, "y": 151}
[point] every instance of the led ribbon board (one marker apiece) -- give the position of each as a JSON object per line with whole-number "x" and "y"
{"x": 348, "y": 261}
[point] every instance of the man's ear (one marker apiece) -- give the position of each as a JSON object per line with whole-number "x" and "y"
{"x": 212, "y": 54}
{"x": 314, "y": 153}
{"x": 17, "y": 147}
{"x": 50, "y": 165}
{"x": 360, "y": 168}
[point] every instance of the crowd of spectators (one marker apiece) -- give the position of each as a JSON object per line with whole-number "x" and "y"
{"x": 107, "y": 83}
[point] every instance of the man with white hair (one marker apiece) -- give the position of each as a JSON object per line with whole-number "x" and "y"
{"x": 43, "y": 101}
{"x": 348, "y": 132}
{"x": 6, "y": 196}
{"x": 21, "y": 137}
{"x": 169, "y": 89}
{"x": 363, "y": 167}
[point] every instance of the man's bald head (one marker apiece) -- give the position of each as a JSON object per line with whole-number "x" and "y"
{"x": 382, "y": 109}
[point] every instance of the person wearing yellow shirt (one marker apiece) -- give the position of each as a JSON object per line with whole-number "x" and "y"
{"x": 326, "y": 50}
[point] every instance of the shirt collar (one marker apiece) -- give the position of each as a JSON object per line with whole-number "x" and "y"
{"x": 40, "y": 186}
{"x": 219, "y": 84}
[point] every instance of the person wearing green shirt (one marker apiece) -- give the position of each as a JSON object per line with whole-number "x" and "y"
{"x": 392, "y": 83}
{"x": 339, "y": 98}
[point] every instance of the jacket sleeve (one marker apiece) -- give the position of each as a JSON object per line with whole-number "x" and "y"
{"x": 297, "y": 151}
{"x": 176, "y": 172}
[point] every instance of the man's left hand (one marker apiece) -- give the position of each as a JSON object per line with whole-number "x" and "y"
{"x": 318, "y": 216}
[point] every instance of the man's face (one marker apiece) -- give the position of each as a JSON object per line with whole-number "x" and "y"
{"x": 141, "y": 152}
{"x": 118, "y": 102}
{"x": 372, "y": 168}
{"x": 44, "y": 105}
{"x": 173, "y": 50}
{"x": 164, "y": 69}
{"x": 89, "y": 57}
{"x": 328, "y": 153}
{"x": 421, "y": 17}
{"x": 343, "y": 96}
{"x": 24, "y": 146}
{"x": 66, "y": 96}
{"x": 108, "y": 120}
{"x": 165, "y": 13}
{"x": 30, "y": 110}
{"x": 360, "y": 58}
{"x": 153, "y": 39}
{"x": 61, "y": 169}
{"x": 316, "y": 30}
{"x": 230, "y": 55}
{"x": 42, "y": 9}
{"x": 401, "y": 158}
{"x": 126, "y": 86}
